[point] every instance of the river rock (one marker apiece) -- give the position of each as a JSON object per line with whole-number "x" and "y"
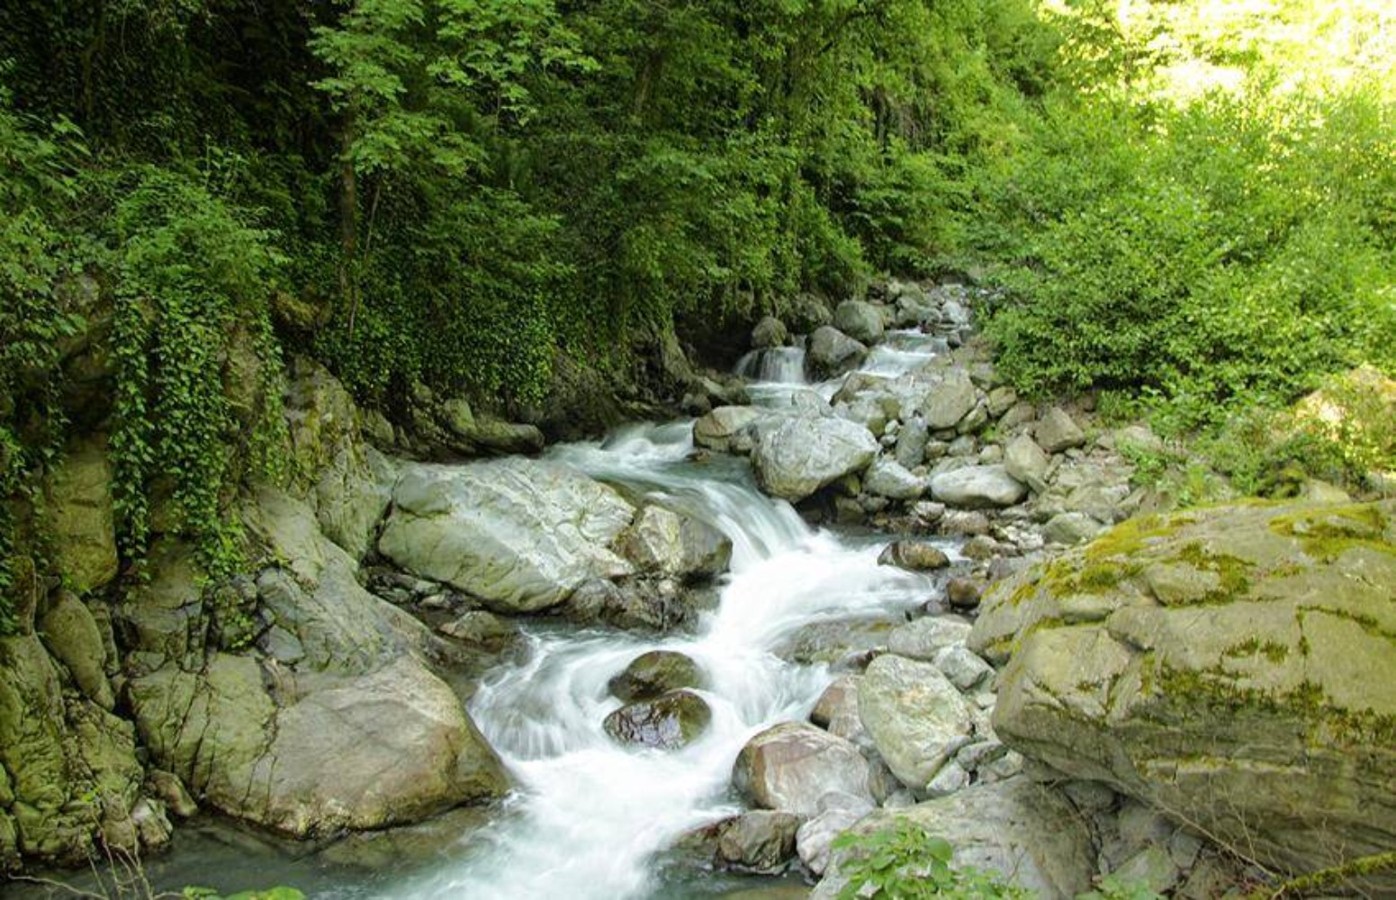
{"x": 791, "y": 765}
{"x": 716, "y": 429}
{"x": 1070, "y": 529}
{"x": 800, "y": 456}
{"x": 668, "y": 543}
{"x": 654, "y": 673}
{"x": 914, "y": 715}
{"x": 519, "y": 534}
{"x": 666, "y": 722}
{"x": 1230, "y": 666}
{"x": 832, "y": 353}
{"x": 836, "y": 711}
{"x": 888, "y": 478}
{"x": 79, "y": 516}
{"x": 761, "y": 841}
{"x": 1026, "y": 462}
{"x": 643, "y": 604}
{"x": 836, "y": 641}
{"x": 977, "y": 487}
{"x": 769, "y": 332}
{"x": 949, "y": 400}
{"x": 962, "y": 593}
{"x": 859, "y": 320}
{"x": 1024, "y": 831}
{"x": 915, "y": 556}
{"x": 73, "y": 637}
{"x": 923, "y": 638}
{"x": 483, "y": 630}
{"x": 837, "y": 813}
{"x": 1057, "y": 431}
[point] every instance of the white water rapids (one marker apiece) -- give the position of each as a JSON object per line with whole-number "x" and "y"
{"x": 590, "y": 815}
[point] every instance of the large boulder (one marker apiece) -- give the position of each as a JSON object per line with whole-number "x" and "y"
{"x": 1057, "y": 431}
{"x": 948, "y": 400}
{"x": 1027, "y": 462}
{"x": 792, "y": 765}
{"x": 800, "y": 456}
{"x": 1024, "y": 831}
{"x": 668, "y": 543}
{"x": 1234, "y": 667}
{"x": 915, "y": 716}
{"x": 832, "y": 353}
{"x": 769, "y": 332}
{"x": 888, "y": 478}
{"x": 519, "y": 534}
{"x": 977, "y": 487}
{"x": 859, "y": 320}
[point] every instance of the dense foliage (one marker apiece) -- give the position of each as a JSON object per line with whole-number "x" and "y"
{"x": 1181, "y": 202}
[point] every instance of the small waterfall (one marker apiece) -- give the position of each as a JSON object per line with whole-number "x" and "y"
{"x": 590, "y": 814}
{"x": 775, "y": 365}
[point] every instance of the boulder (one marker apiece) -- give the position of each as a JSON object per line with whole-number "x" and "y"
{"x": 807, "y": 313}
{"x": 716, "y": 429}
{"x": 800, "y": 456}
{"x": 1230, "y": 666}
{"x": 836, "y": 711}
{"x": 654, "y": 673}
{"x": 482, "y": 630}
{"x": 923, "y": 638}
{"x": 643, "y": 604}
{"x": 887, "y": 478}
{"x": 79, "y": 517}
{"x": 837, "y": 813}
{"x": 791, "y": 765}
{"x": 760, "y": 842}
{"x": 977, "y": 487}
{"x": 949, "y": 400}
{"x": 832, "y": 353}
{"x": 911, "y": 443}
{"x": 1026, "y": 462}
{"x": 1070, "y": 529}
{"x": 664, "y": 542}
{"x": 669, "y": 721}
{"x": 1024, "y": 831}
{"x": 1057, "y": 431}
{"x": 914, "y": 715}
{"x": 859, "y": 320}
{"x": 519, "y": 534}
{"x": 769, "y": 332}
{"x": 73, "y": 637}
{"x": 916, "y": 556}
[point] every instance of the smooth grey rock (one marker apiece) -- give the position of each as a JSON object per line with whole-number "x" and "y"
{"x": 859, "y": 320}
{"x": 1057, "y": 431}
{"x": 977, "y": 487}
{"x": 887, "y": 478}
{"x": 949, "y": 400}
{"x": 814, "y": 839}
{"x": 800, "y": 456}
{"x": 914, "y": 715}
{"x": 791, "y": 765}
{"x": 923, "y": 638}
{"x": 716, "y": 429}
{"x": 769, "y": 332}
{"x": 668, "y": 543}
{"x": 519, "y": 534}
{"x": 1026, "y": 462}
{"x": 656, "y": 672}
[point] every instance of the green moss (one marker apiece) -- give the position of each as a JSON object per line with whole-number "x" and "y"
{"x": 1233, "y": 571}
{"x": 1306, "y": 705}
{"x": 1271, "y": 650}
{"x": 1134, "y": 535}
{"x": 1326, "y": 533}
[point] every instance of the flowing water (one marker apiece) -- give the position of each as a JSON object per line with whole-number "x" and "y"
{"x": 590, "y": 816}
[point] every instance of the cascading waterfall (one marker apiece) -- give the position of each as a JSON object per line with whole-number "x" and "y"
{"x": 591, "y": 814}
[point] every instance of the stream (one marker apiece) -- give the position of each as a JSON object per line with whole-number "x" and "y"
{"x": 591, "y": 817}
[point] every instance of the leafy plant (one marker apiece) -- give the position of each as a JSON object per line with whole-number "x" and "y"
{"x": 905, "y": 862}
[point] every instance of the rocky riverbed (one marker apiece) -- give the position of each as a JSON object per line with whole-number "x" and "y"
{"x": 885, "y": 589}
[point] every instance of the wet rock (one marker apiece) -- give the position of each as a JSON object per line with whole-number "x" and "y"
{"x": 519, "y": 534}
{"x": 668, "y": 543}
{"x": 836, "y": 711}
{"x": 964, "y": 522}
{"x": 962, "y": 593}
{"x": 915, "y": 556}
{"x": 642, "y": 604}
{"x": 169, "y": 790}
{"x": 482, "y": 629}
{"x": 669, "y": 721}
{"x": 832, "y": 353}
{"x": 837, "y": 641}
{"x": 761, "y": 841}
{"x": 800, "y": 456}
{"x": 791, "y": 765}
{"x": 716, "y": 429}
{"x": 654, "y": 673}
{"x": 915, "y": 716}
{"x": 977, "y": 487}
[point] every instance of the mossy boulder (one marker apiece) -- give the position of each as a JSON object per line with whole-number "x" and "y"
{"x": 653, "y": 673}
{"x": 80, "y": 518}
{"x": 1234, "y": 667}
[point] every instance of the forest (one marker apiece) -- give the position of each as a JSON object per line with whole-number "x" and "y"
{"x": 1186, "y": 206}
